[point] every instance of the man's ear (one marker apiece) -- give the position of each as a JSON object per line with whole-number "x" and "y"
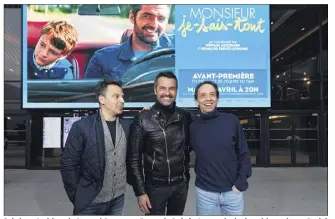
{"x": 132, "y": 17}
{"x": 101, "y": 100}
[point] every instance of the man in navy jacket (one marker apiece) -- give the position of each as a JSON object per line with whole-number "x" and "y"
{"x": 222, "y": 163}
{"x": 93, "y": 162}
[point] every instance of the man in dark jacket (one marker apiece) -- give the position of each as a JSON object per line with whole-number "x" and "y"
{"x": 93, "y": 162}
{"x": 222, "y": 164}
{"x": 160, "y": 134}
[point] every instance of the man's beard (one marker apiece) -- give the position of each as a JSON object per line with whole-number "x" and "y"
{"x": 140, "y": 34}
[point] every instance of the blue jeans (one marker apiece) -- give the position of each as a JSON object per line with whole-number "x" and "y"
{"x": 231, "y": 202}
{"x": 113, "y": 207}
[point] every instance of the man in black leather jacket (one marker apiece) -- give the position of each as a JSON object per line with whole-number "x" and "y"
{"x": 161, "y": 135}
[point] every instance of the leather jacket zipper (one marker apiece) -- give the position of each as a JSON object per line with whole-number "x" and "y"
{"x": 184, "y": 151}
{"x": 166, "y": 149}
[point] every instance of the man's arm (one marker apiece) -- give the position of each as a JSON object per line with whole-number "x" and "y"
{"x": 190, "y": 119}
{"x": 243, "y": 157}
{"x": 94, "y": 69}
{"x": 134, "y": 157}
{"x": 70, "y": 161}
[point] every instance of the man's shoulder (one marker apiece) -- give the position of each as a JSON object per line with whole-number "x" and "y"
{"x": 229, "y": 117}
{"x": 109, "y": 51}
{"x": 30, "y": 51}
{"x": 63, "y": 63}
{"x": 85, "y": 122}
{"x": 145, "y": 114}
{"x": 183, "y": 111}
{"x": 226, "y": 118}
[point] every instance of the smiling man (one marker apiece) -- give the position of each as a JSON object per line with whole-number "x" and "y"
{"x": 48, "y": 59}
{"x": 160, "y": 134}
{"x": 149, "y": 25}
{"x": 222, "y": 164}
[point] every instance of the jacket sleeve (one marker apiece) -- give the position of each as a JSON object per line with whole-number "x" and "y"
{"x": 192, "y": 118}
{"x": 243, "y": 157}
{"x": 70, "y": 161}
{"x": 188, "y": 131}
{"x": 134, "y": 157}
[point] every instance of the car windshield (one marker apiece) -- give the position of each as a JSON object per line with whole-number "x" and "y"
{"x": 148, "y": 70}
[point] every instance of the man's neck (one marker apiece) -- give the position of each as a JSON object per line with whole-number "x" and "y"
{"x": 108, "y": 117}
{"x": 167, "y": 111}
{"x": 138, "y": 45}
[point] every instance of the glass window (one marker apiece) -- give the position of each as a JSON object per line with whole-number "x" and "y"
{"x": 251, "y": 128}
{"x": 305, "y": 139}
{"x": 280, "y": 135}
{"x": 15, "y": 140}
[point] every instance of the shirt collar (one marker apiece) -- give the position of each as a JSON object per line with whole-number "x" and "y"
{"x": 127, "y": 52}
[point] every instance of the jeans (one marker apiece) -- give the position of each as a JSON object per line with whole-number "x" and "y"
{"x": 168, "y": 200}
{"x": 231, "y": 202}
{"x": 112, "y": 207}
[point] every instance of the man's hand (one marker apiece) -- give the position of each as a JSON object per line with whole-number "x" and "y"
{"x": 235, "y": 189}
{"x": 144, "y": 203}
{"x": 147, "y": 108}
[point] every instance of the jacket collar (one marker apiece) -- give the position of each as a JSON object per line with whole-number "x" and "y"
{"x": 127, "y": 52}
{"x": 210, "y": 115}
{"x": 157, "y": 114}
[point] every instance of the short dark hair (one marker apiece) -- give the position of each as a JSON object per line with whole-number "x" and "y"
{"x": 166, "y": 74}
{"x": 101, "y": 87}
{"x": 203, "y": 83}
{"x": 137, "y": 7}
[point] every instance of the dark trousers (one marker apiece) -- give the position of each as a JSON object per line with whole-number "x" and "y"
{"x": 168, "y": 200}
{"x": 113, "y": 207}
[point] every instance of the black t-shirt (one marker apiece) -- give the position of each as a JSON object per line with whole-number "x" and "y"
{"x": 112, "y": 129}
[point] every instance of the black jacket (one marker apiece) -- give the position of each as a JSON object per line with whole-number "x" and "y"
{"x": 165, "y": 146}
{"x": 82, "y": 163}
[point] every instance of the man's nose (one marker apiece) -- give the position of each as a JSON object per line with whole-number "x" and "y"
{"x": 167, "y": 92}
{"x": 154, "y": 22}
